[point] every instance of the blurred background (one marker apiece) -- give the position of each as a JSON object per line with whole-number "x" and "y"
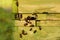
{"x": 6, "y": 22}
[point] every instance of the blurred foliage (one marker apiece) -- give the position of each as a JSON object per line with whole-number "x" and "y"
{"x": 6, "y": 25}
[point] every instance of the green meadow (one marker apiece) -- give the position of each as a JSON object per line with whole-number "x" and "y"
{"x": 6, "y": 24}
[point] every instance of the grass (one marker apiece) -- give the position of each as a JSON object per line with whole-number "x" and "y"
{"x": 6, "y": 25}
